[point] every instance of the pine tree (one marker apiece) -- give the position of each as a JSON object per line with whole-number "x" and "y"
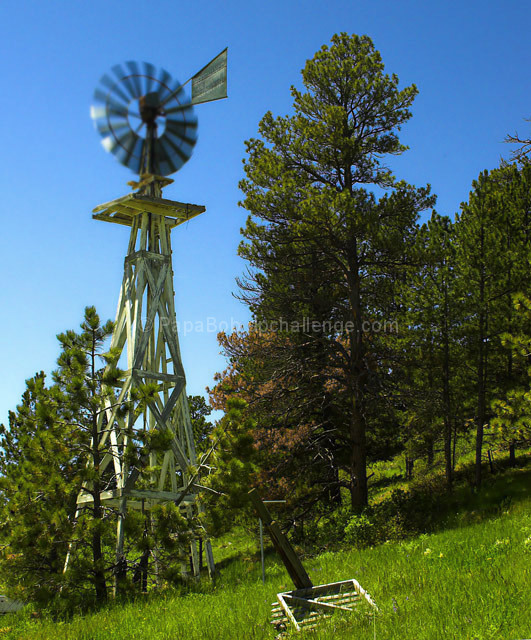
{"x": 233, "y": 466}
{"x": 433, "y": 358}
{"x": 201, "y": 427}
{"x": 493, "y": 234}
{"x": 512, "y": 414}
{"x": 49, "y": 452}
{"x": 39, "y": 490}
{"x": 322, "y": 246}
{"x": 84, "y": 393}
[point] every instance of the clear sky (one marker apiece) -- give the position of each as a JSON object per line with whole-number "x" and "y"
{"x": 469, "y": 59}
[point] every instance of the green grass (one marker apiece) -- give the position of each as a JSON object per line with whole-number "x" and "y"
{"x": 470, "y": 580}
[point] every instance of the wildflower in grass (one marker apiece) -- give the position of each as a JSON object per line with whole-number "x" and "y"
{"x": 395, "y": 606}
{"x": 441, "y": 555}
{"x": 502, "y": 543}
{"x": 427, "y": 552}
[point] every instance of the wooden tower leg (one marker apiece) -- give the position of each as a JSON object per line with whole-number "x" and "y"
{"x": 210, "y": 558}
{"x": 193, "y": 548}
{"x": 119, "y": 558}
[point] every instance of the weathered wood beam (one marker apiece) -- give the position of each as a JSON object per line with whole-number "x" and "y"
{"x": 282, "y": 545}
{"x": 157, "y": 375}
{"x": 288, "y": 612}
{"x": 144, "y": 494}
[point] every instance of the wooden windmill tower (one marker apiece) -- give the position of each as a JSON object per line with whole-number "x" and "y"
{"x": 148, "y": 123}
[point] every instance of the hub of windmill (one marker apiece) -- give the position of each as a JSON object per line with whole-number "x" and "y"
{"x": 149, "y": 106}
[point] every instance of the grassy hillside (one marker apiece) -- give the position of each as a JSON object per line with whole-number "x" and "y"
{"x": 471, "y": 579}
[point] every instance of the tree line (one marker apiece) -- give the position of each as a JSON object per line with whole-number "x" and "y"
{"x": 396, "y": 335}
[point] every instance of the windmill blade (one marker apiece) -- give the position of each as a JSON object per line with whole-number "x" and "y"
{"x": 165, "y": 167}
{"x": 162, "y": 154}
{"x": 126, "y": 152}
{"x": 135, "y": 161}
{"x": 177, "y": 158}
{"x": 98, "y": 112}
{"x": 142, "y": 124}
{"x": 164, "y": 79}
{"x": 175, "y": 123}
{"x": 176, "y": 94}
{"x": 163, "y": 162}
{"x": 168, "y": 143}
{"x": 181, "y": 131}
{"x": 180, "y": 108}
{"x": 113, "y": 86}
{"x": 105, "y": 128}
{"x": 135, "y": 77}
{"x": 112, "y": 106}
{"x": 149, "y": 72}
{"x": 101, "y": 96}
{"x": 129, "y": 151}
{"x": 108, "y": 143}
{"x": 112, "y": 142}
{"x": 124, "y": 80}
{"x": 115, "y": 110}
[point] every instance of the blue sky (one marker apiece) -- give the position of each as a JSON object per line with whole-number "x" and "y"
{"x": 470, "y": 61}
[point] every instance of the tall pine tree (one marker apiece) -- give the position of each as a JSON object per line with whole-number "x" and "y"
{"x": 324, "y": 249}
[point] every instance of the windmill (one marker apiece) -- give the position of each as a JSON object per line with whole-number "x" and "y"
{"x": 147, "y": 121}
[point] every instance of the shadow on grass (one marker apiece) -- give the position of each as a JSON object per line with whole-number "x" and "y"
{"x": 425, "y": 505}
{"x": 428, "y": 506}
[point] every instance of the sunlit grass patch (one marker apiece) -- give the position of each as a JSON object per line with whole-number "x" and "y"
{"x": 471, "y": 579}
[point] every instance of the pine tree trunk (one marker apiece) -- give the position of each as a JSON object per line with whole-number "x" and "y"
{"x": 357, "y": 381}
{"x": 491, "y": 461}
{"x": 448, "y": 466}
{"x": 358, "y": 460}
{"x": 334, "y": 488}
{"x": 446, "y": 398}
{"x": 430, "y": 457}
{"x": 481, "y": 366}
{"x": 481, "y": 403}
{"x": 454, "y": 448}
{"x": 410, "y": 465}
{"x": 512, "y": 445}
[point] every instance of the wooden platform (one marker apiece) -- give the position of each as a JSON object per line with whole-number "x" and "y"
{"x": 304, "y": 608}
{"x": 125, "y": 209}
